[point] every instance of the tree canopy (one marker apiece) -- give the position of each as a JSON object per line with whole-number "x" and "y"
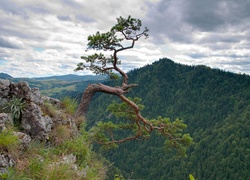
{"x": 123, "y": 36}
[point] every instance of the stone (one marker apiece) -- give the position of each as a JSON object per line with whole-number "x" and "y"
{"x": 22, "y": 90}
{"x": 53, "y": 101}
{"x": 4, "y": 91}
{"x": 3, "y": 101}
{"x": 35, "y": 96}
{"x": 6, "y": 161}
{"x": 34, "y": 123}
{"x": 24, "y": 138}
{"x": 4, "y": 82}
{"x": 5, "y": 119}
{"x": 69, "y": 159}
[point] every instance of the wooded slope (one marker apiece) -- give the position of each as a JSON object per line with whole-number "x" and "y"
{"x": 214, "y": 104}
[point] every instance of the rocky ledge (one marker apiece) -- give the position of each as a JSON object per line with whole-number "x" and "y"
{"x": 34, "y": 122}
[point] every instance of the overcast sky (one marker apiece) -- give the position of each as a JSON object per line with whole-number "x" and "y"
{"x": 45, "y": 37}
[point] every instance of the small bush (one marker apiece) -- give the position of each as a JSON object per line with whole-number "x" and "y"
{"x": 15, "y": 106}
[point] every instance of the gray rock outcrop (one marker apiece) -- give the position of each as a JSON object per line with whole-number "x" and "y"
{"x": 5, "y": 119}
{"x": 22, "y": 90}
{"x": 4, "y": 91}
{"x": 33, "y": 121}
{"x": 6, "y": 161}
{"x": 39, "y": 118}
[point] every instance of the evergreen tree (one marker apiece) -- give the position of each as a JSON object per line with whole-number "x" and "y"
{"x": 123, "y": 36}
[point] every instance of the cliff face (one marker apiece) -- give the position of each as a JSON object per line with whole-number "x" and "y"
{"x": 40, "y": 119}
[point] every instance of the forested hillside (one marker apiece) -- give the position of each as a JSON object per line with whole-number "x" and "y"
{"x": 214, "y": 104}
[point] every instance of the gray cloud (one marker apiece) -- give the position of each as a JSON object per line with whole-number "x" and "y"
{"x": 13, "y": 8}
{"x": 10, "y": 43}
{"x": 85, "y": 18}
{"x": 204, "y": 15}
{"x": 207, "y": 31}
{"x": 210, "y": 32}
{"x": 165, "y": 20}
{"x": 64, "y": 17}
{"x": 212, "y": 15}
{"x": 38, "y": 9}
{"x": 181, "y": 20}
{"x": 222, "y": 37}
{"x": 197, "y": 55}
{"x": 71, "y": 3}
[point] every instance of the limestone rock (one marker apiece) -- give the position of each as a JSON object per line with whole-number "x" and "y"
{"x": 6, "y": 161}
{"x": 4, "y": 82}
{"x": 4, "y": 120}
{"x": 35, "y": 124}
{"x": 4, "y": 91}
{"x": 24, "y": 138}
{"x": 22, "y": 90}
{"x": 69, "y": 159}
{"x": 53, "y": 101}
{"x": 4, "y": 87}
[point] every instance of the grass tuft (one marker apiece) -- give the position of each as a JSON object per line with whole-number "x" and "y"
{"x": 59, "y": 134}
{"x": 69, "y": 104}
{"x": 8, "y": 141}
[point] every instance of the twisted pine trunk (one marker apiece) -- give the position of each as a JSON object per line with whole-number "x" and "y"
{"x": 90, "y": 92}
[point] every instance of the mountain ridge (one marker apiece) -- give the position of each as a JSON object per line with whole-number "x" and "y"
{"x": 5, "y": 76}
{"x": 213, "y": 103}
{"x": 67, "y": 77}
{"x": 59, "y": 86}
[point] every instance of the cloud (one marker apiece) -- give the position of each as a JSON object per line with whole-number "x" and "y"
{"x": 11, "y": 42}
{"x": 52, "y": 35}
{"x": 64, "y": 17}
{"x": 84, "y": 18}
{"x": 13, "y": 8}
{"x": 204, "y": 15}
{"x": 203, "y": 32}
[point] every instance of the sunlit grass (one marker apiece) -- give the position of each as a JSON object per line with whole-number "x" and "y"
{"x": 8, "y": 141}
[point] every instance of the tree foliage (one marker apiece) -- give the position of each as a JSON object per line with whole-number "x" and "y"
{"x": 128, "y": 29}
{"x": 126, "y": 120}
{"x": 122, "y": 36}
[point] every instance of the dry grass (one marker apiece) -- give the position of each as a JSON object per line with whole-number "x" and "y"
{"x": 49, "y": 110}
{"x": 59, "y": 134}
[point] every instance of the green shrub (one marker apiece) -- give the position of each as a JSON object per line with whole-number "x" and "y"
{"x": 15, "y": 106}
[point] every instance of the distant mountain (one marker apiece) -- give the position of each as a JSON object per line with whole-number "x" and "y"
{"x": 72, "y": 77}
{"x": 66, "y": 85}
{"x": 69, "y": 77}
{"x": 214, "y": 104}
{"x": 5, "y": 76}
{"x": 59, "y": 86}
